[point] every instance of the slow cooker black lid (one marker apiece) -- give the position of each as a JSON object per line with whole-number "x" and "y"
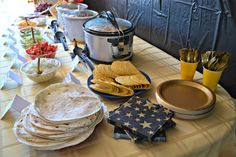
{"x": 103, "y": 27}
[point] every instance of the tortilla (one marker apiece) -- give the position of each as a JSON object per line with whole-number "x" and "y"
{"x": 119, "y": 79}
{"x": 124, "y": 68}
{"x": 102, "y": 78}
{"x": 112, "y": 88}
{"x": 44, "y": 144}
{"x": 24, "y": 137}
{"x": 77, "y": 140}
{"x": 39, "y": 122}
{"x": 103, "y": 70}
{"x": 55, "y": 135}
{"x": 66, "y": 102}
{"x": 49, "y": 133}
{"x": 135, "y": 82}
{"x": 43, "y": 133}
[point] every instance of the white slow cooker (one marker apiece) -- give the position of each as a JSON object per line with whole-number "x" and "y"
{"x": 73, "y": 23}
{"x": 67, "y": 7}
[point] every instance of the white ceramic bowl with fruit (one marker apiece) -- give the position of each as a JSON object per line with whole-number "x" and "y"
{"x": 48, "y": 68}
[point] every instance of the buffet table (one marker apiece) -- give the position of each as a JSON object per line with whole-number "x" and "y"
{"x": 204, "y": 137}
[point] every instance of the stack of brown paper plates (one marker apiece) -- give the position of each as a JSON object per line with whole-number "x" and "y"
{"x": 188, "y": 99}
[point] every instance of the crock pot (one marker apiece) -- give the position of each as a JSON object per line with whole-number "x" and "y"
{"x": 106, "y": 42}
{"x": 66, "y": 7}
{"x": 73, "y": 22}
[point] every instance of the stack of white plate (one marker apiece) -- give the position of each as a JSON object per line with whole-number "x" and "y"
{"x": 188, "y": 99}
{"x": 63, "y": 115}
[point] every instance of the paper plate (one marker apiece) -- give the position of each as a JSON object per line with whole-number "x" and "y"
{"x": 194, "y": 116}
{"x": 43, "y": 144}
{"x": 186, "y": 97}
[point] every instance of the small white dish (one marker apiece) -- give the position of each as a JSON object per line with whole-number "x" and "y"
{"x": 30, "y": 69}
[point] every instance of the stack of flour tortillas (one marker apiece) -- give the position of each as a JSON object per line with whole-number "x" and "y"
{"x": 63, "y": 115}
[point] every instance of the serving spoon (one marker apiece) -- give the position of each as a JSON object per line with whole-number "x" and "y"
{"x": 60, "y": 36}
{"x": 38, "y": 70}
{"x": 82, "y": 55}
{"x": 31, "y": 28}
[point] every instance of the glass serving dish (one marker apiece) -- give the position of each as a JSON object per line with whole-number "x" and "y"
{"x": 48, "y": 67}
{"x": 47, "y": 50}
{"x": 26, "y": 37}
{"x": 49, "y": 55}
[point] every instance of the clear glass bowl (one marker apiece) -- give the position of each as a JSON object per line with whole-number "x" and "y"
{"x": 26, "y": 36}
{"x": 49, "y": 55}
{"x": 45, "y": 76}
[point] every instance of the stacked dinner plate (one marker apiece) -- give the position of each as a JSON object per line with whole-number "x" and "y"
{"x": 62, "y": 115}
{"x": 188, "y": 99}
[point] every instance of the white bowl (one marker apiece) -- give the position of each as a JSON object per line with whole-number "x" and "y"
{"x": 41, "y": 20}
{"x": 66, "y": 7}
{"x": 46, "y": 75}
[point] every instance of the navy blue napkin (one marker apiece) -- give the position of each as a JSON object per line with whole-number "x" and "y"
{"x": 159, "y": 136}
{"x": 140, "y": 117}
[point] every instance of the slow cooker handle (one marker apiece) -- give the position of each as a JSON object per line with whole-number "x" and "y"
{"x": 121, "y": 56}
{"x": 110, "y": 17}
{"x": 103, "y": 14}
{"x": 115, "y": 42}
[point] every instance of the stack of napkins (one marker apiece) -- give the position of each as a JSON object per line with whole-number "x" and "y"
{"x": 140, "y": 120}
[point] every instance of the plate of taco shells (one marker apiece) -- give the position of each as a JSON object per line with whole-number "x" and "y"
{"x": 118, "y": 80}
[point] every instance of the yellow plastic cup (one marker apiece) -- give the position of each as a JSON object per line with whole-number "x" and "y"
{"x": 211, "y": 78}
{"x": 187, "y": 70}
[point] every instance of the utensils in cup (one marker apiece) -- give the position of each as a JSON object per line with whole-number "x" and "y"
{"x": 188, "y": 63}
{"x": 213, "y": 63}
